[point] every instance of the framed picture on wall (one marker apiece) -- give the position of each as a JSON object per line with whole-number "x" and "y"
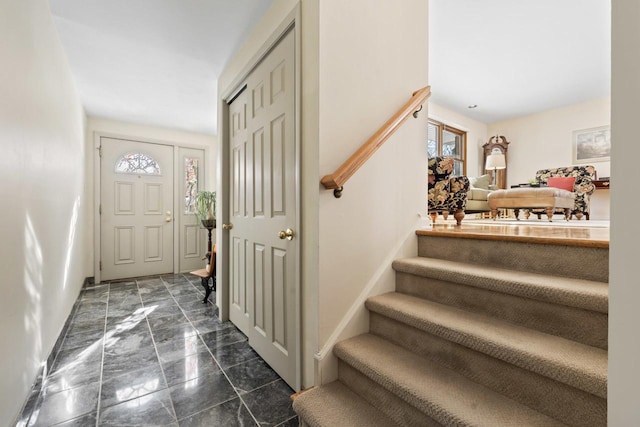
{"x": 592, "y": 145}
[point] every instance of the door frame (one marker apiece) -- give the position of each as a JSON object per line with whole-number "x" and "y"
{"x": 290, "y": 22}
{"x": 97, "y": 198}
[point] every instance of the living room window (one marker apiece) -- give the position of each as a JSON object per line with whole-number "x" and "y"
{"x": 445, "y": 140}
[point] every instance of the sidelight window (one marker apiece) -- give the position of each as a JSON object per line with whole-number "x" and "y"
{"x": 190, "y": 184}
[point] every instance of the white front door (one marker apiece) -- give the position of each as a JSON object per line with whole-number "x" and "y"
{"x": 136, "y": 227}
{"x": 264, "y": 288}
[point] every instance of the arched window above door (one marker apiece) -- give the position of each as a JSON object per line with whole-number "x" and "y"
{"x": 138, "y": 163}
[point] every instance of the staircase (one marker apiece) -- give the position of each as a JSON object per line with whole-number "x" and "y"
{"x": 478, "y": 333}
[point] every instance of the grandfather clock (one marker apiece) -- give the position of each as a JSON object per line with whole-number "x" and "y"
{"x": 497, "y": 145}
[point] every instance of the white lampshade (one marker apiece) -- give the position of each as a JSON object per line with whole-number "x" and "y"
{"x": 495, "y": 161}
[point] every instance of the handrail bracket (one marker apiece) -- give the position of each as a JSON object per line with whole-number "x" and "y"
{"x": 415, "y": 113}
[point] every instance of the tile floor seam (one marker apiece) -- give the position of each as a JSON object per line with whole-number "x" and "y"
{"x": 43, "y": 371}
{"x": 155, "y": 347}
{"x": 286, "y": 421}
{"x": 235, "y": 404}
{"x": 57, "y": 353}
{"x": 244, "y": 361}
{"x": 235, "y": 390}
{"x": 289, "y": 419}
{"x": 217, "y": 363}
{"x": 227, "y": 344}
{"x": 206, "y": 409}
{"x": 263, "y": 385}
{"x": 211, "y": 354}
{"x": 104, "y": 339}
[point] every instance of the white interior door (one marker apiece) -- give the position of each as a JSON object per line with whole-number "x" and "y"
{"x": 240, "y": 203}
{"x": 193, "y": 237}
{"x": 264, "y": 289}
{"x": 136, "y": 220}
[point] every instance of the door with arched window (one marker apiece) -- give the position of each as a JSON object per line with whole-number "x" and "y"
{"x": 136, "y": 227}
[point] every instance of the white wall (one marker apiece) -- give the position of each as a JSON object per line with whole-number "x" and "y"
{"x": 100, "y": 126}
{"x": 624, "y": 292}
{"x": 245, "y": 55}
{"x": 372, "y": 57}
{"x": 476, "y": 135}
{"x": 543, "y": 140}
{"x": 152, "y": 133}
{"x": 41, "y": 184}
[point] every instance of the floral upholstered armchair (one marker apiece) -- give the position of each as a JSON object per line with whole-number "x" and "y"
{"x": 583, "y": 186}
{"x": 447, "y": 194}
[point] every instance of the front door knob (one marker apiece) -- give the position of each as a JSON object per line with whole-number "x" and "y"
{"x": 286, "y": 234}
{"x": 227, "y": 226}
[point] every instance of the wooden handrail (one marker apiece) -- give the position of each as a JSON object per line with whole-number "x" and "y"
{"x": 337, "y": 179}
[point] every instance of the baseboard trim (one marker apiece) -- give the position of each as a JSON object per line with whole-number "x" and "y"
{"x": 32, "y": 398}
{"x": 294, "y": 396}
{"x": 88, "y": 282}
{"x": 325, "y": 361}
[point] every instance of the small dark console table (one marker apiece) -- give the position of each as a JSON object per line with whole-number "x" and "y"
{"x": 208, "y": 273}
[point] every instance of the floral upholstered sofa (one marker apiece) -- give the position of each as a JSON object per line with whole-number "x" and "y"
{"x": 583, "y": 186}
{"x": 447, "y": 194}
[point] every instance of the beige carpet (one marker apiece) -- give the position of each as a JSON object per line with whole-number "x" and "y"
{"x": 494, "y": 334}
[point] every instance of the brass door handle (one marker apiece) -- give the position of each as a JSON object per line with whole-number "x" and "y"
{"x": 168, "y": 219}
{"x": 286, "y": 234}
{"x": 227, "y": 226}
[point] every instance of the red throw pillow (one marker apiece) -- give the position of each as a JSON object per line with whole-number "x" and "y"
{"x": 564, "y": 183}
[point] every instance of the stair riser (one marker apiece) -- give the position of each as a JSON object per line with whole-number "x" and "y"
{"x": 583, "y": 326}
{"x": 566, "y": 261}
{"x": 377, "y": 396}
{"x": 558, "y": 400}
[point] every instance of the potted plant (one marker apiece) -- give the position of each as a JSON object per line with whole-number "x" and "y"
{"x": 206, "y": 208}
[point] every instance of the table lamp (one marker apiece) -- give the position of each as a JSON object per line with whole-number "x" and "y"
{"x": 495, "y": 162}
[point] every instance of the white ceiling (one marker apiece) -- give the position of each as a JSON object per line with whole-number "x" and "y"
{"x": 156, "y": 62}
{"x": 518, "y": 57}
{"x": 153, "y": 62}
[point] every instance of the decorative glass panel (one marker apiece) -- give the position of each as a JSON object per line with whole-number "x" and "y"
{"x": 137, "y": 163}
{"x": 190, "y": 184}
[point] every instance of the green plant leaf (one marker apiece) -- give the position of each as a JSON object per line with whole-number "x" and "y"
{"x": 206, "y": 205}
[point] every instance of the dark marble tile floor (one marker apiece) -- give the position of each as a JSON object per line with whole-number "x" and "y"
{"x": 149, "y": 352}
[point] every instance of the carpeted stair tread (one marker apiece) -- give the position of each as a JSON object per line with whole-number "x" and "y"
{"x": 440, "y": 393}
{"x": 334, "y": 404}
{"x": 577, "y": 293}
{"x": 550, "y": 258}
{"x": 572, "y": 363}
